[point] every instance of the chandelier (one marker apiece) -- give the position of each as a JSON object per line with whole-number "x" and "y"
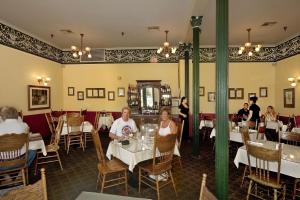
{"x": 248, "y": 48}
{"x": 81, "y": 51}
{"x": 166, "y": 50}
{"x": 294, "y": 81}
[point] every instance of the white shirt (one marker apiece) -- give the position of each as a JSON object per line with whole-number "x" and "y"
{"x": 164, "y": 131}
{"x": 13, "y": 126}
{"x": 121, "y": 127}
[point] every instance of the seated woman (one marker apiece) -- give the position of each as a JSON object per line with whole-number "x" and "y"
{"x": 167, "y": 125}
{"x": 270, "y": 115}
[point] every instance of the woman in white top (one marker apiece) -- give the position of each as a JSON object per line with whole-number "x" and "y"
{"x": 167, "y": 125}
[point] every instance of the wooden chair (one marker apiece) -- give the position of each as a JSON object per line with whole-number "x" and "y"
{"x": 13, "y": 158}
{"x": 83, "y": 112}
{"x": 50, "y": 125}
{"x": 260, "y": 173}
{"x": 107, "y": 170}
{"x": 245, "y": 138}
{"x": 161, "y": 165}
{"x": 205, "y": 194}
{"x": 73, "y": 114}
{"x": 75, "y": 132}
{"x": 52, "y": 149}
{"x": 20, "y": 114}
{"x": 36, "y": 191}
{"x": 177, "y": 159}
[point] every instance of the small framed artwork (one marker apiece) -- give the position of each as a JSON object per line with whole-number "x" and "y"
{"x": 89, "y": 92}
{"x": 121, "y": 92}
{"x": 251, "y": 95}
{"x": 211, "y": 96}
{"x": 38, "y": 97}
{"x": 201, "y": 91}
{"x": 71, "y": 91}
{"x": 239, "y": 93}
{"x": 101, "y": 92}
{"x": 289, "y": 98}
{"x": 263, "y": 92}
{"x": 231, "y": 93}
{"x": 111, "y": 95}
{"x": 80, "y": 95}
{"x": 95, "y": 92}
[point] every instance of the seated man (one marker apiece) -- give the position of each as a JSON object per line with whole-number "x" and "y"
{"x": 243, "y": 113}
{"x": 123, "y": 126}
{"x": 11, "y": 124}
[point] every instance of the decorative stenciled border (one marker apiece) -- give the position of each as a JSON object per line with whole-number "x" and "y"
{"x": 18, "y": 40}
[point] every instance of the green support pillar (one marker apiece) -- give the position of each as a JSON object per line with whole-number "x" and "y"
{"x": 196, "y": 22}
{"x": 186, "y": 69}
{"x": 222, "y": 100}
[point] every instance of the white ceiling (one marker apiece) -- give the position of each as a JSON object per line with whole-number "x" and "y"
{"x": 102, "y": 21}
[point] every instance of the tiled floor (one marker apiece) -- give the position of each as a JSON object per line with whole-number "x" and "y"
{"x": 80, "y": 174}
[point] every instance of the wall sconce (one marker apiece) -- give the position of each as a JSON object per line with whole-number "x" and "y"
{"x": 294, "y": 81}
{"x": 43, "y": 80}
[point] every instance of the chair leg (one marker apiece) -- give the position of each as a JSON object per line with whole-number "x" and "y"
{"x": 179, "y": 160}
{"x": 295, "y": 188}
{"x": 65, "y": 141}
{"x": 275, "y": 194}
{"x": 157, "y": 187}
{"x": 126, "y": 188}
{"x": 284, "y": 191}
{"x": 58, "y": 157}
{"x": 249, "y": 189}
{"x": 103, "y": 181}
{"x": 85, "y": 139}
{"x": 98, "y": 181}
{"x": 23, "y": 177}
{"x": 36, "y": 164}
{"x": 140, "y": 178}
{"x": 245, "y": 170}
{"x": 81, "y": 142}
{"x": 170, "y": 172}
{"x": 68, "y": 144}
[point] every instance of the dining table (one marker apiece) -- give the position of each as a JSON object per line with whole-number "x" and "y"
{"x": 36, "y": 142}
{"x": 105, "y": 121}
{"x": 290, "y": 160}
{"x": 87, "y": 128}
{"x": 206, "y": 123}
{"x": 236, "y": 136}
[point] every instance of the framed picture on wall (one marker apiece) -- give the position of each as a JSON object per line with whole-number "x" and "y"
{"x": 251, "y": 95}
{"x": 121, "y": 92}
{"x": 263, "y": 92}
{"x": 201, "y": 91}
{"x": 211, "y": 96}
{"x": 95, "y": 92}
{"x": 71, "y": 91}
{"x": 80, "y": 95}
{"x": 239, "y": 93}
{"x": 111, "y": 95}
{"x": 231, "y": 93}
{"x": 289, "y": 98}
{"x": 38, "y": 97}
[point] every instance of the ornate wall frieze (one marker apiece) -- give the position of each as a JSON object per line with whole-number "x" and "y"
{"x": 21, "y": 41}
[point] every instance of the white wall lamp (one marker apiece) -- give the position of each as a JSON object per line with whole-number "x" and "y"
{"x": 294, "y": 81}
{"x": 43, "y": 80}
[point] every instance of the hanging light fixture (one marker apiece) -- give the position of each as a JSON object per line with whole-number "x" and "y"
{"x": 248, "y": 48}
{"x": 294, "y": 81}
{"x": 81, "y": 51}
{"x": 166, "y": 50}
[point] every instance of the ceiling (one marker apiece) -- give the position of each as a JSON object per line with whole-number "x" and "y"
{"x": 102, "y": 21}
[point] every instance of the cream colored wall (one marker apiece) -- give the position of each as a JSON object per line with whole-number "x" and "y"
{"x": 19, "y": 69}
{"x": 83, "y": 76}
{"x": 289, "y": 67}
{"x": 249, "y": 76}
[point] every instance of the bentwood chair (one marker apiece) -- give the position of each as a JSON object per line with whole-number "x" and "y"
{"x": 36, "y": 191}
{"x": 75, "y": 132}
{"x": 110, "y": 173}
{"x": 161, "y": 166}
{"x": 245, "y": 138}
{"x": 96, "y": 122}
{"x": 52, "y": 149}
{"x": 83, "y": 112}
{"x": 177, "y": 159}
{"x": 13, "y": 158}
{"x": 205, "y": 194}
{"x": 260, "y": 174}
{"x": 50, "y": 125}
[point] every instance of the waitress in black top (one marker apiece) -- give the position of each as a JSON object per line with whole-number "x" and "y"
{"x": 254, "y": 113}
{"x": 184, "y": 116}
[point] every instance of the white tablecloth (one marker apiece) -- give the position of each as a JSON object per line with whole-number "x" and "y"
{"x": 206, "y": 123}
{"x": 102, "y": 196}
{"x": 87, "y": 128}
{"x": 37, "y": 144}
{"x": 236, "y": 136}
{"x": 105, "y": 121}
{"x": 133, "y": 153}
{"x": 296, "y": 130}
{"x": 290, "y": 162}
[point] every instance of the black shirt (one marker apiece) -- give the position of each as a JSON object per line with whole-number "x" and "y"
{"x": 255, "y": 112}
{"x": 183, "y": 110}
{"x": 243, "y": 112}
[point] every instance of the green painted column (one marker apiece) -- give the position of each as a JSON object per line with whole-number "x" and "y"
{"x": 222, "y": 100}
{"x": 186, "y": 69}
{"x": 196, "y": 22}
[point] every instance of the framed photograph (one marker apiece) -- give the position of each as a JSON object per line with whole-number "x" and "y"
{"x": 71, "y": 91}
{"x": 121, "y": 92}
{"x": 211, "y": 96}
{"x": 201, "y": 91}
{"x": 101, "y": 92}
{"x": 289, "y": 98}
{"x": 111, "y": 95}
{"x": 95, "y": 92}
{"x": 251, "y": 95}
{"x": 239, "y": 93}
{"x": 263, "y": 92}
{"x": 80, "y": 95}
{"x": 231, "y": 93}
{"x": 38, "y": 97}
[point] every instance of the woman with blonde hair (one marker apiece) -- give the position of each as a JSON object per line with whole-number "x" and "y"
{"x": 167, "y": 125}
{"x": 270, "y": 115}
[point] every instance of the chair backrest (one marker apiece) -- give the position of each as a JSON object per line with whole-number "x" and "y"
{"x": 263, "y": 157}
{"x": 291, "y": 138}
{"x": 245, "y": 134}
{"x": 75, "y": 124}
{"x": 179, "y": 133}
{"x": 83, "y": 112}
{"x": 14, "y": 149}
{"x": 50, "y": 122}
{"x": 164, "y": 146}
{"x": 96, "y": 122}
{"x": 20, "y": 114}
{"x": 58, "y": 130}
{"x": 98, "y": 147}
{"x": 205, "y": 194}
{"x": 73, "y": 114}
{"x": 297, "y": 121}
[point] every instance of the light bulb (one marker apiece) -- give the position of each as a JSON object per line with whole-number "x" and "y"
{"x": 298, "y": 78}
{"x": 48, "y": 79}
{"x": 38, "y": 78}
{"x": 293, "y": 84}
{"x": 87, "y": 48}
{"x": 166, "y": 44}
{"x": 80, "y": 53}
{"x": 45, "y": 83}
{"x": 291, "y": 79}
{"x": 240, "y": 52}
{"x": 89, "y": 55}
{"x": 73, "y": 48}
{"x": 75, "y": 55}
{"x": 257, "y": 49}
{"x": 247, "y": 44}
{"x": 242, "y": 48}
{"x": 174, "y": 50}
{"x": 259, "y": 45}
{"x": 250, "y": 53}
{"x": 158, "y": 51}
{"x": 167, "y": 55}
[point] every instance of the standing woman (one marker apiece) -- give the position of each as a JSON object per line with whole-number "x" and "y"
{"x": 254, "y": 113}
{"x": 184, "y": 116}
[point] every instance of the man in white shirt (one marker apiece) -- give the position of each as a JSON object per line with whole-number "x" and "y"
{"x": 123, "y": 126}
